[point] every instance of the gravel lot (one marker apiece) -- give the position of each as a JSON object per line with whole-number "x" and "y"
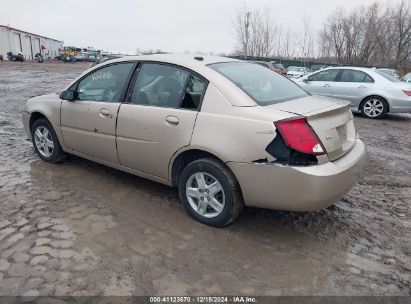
{"x": 79, "y": 228}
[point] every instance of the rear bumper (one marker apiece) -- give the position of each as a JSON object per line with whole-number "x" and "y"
{"x": 275, "y": 186}
{"x": 400, "y": 105}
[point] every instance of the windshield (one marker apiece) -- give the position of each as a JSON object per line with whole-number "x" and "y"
{"x": 296, "y": 69}
{"x": 387, "y": 76}
{"x": 278, "y": 66}
{"x": 264, "y": 86}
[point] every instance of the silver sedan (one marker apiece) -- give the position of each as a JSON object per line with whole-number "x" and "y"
{"x": 371, "y": 92}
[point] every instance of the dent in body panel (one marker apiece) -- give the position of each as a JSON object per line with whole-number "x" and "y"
{"x": 312, "y": 187}
{"x": 232, "y": 133}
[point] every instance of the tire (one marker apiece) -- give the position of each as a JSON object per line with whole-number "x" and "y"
{"x": 374, "y": 107}
{"x": 55, "y": 154}
{"x": 213, "y": 172}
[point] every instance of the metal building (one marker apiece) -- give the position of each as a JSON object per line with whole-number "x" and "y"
{"x": 26, "y": 43}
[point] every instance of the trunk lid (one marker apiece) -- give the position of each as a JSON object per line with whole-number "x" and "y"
{"x": 330, "y": 119}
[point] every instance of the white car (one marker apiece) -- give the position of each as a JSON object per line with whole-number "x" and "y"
{"x": 370, "y": 91}
{"x": 407, "y": 77}
{"x": 296, "y": 72}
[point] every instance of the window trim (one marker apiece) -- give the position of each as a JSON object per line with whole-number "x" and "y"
{"x": 74, "y": 86}
{"x": 342, "y": 71}
{"x": 137, "y": 70}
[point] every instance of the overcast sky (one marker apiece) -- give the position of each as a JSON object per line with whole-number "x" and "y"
{"x": 170, "y": 25}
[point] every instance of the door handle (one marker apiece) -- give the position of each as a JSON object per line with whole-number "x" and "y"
{"x": 327, "y": 85}
{"x": 105, "y": 113}
{"x": 362, "y": 87}
{"x": 172, "y": 119}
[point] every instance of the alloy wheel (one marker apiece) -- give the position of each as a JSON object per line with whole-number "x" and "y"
{"x": 44, "y": 141}
{"x": 373, "y": 108}
{"x": 205, "y": 194}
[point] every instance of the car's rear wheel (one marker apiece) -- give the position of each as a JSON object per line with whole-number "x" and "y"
{"x": 374, "y": 107}
{"x": 210, "y": 193}
{"x": 45, "y": 141}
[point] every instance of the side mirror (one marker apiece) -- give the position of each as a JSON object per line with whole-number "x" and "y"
{"x": 68, "y": 95}
{"x": 306, "y": 80}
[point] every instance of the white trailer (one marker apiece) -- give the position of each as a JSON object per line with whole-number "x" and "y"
{"x": 28, "y": 44}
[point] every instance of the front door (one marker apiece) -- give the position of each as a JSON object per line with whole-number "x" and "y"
{"x": 160, "y": 117}
{"x": 88, "y": 123}
{"x": 322, "y": 82}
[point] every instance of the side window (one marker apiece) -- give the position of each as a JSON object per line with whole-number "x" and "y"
{"x": 105, "y": 84}
{"x": 159, "y": 85}
{"x": 354, "y": 76}
{"x": 194, "y": 93}
{"x": 324, "y": 75}
{"x": 368, "y": 78}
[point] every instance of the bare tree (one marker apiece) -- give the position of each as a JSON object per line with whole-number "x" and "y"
{"x": 369, "y": 35}
{"x": 307, "y": 43}
{"x": 289, "y": 42}
{"x": 401, "y": 32}
{"x": 242, "y": 28}
{"x": 254, "y": 31}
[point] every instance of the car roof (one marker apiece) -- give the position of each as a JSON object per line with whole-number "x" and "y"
{"x": 191, "y": 61}
{"x": 349, "y": 67}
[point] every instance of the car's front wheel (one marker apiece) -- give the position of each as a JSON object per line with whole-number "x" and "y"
{"x": 45, "y": 141}
{"x": 210, "y": 193}
{"x": 374, "y": 107}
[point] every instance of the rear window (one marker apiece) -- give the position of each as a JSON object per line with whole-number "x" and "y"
{"x": 388, "y": 77}
{"x": 264, "y": 86}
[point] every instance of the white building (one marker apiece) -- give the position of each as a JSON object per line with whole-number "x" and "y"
{"x": 26, "y": 43}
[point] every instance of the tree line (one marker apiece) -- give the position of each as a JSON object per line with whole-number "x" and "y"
{"x": 374, "y": 35}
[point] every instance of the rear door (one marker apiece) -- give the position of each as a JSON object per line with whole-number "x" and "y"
{"x": 352, "y": 85}
{"x": 159, "y": 117}
{"x": 322, "y": 82}
{"x": 88, "y": 123}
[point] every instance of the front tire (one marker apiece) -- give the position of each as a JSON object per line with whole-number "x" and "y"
{"x": 374, "y": 107}
{"x": 45, "y": 141}
{"x": 210, "y": 193}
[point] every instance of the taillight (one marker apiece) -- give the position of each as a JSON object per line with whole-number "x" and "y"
{"x": 298, "y": 135}
{"x": 407, "y": 92}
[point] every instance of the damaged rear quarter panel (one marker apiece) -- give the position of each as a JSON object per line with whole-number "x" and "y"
{"x": 234, "y": 134}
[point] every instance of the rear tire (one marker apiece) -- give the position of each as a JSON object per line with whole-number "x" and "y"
{"x": 374, "y": 107}
{"x": 210, "y": 193}
{"x": 45, "y": 141}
